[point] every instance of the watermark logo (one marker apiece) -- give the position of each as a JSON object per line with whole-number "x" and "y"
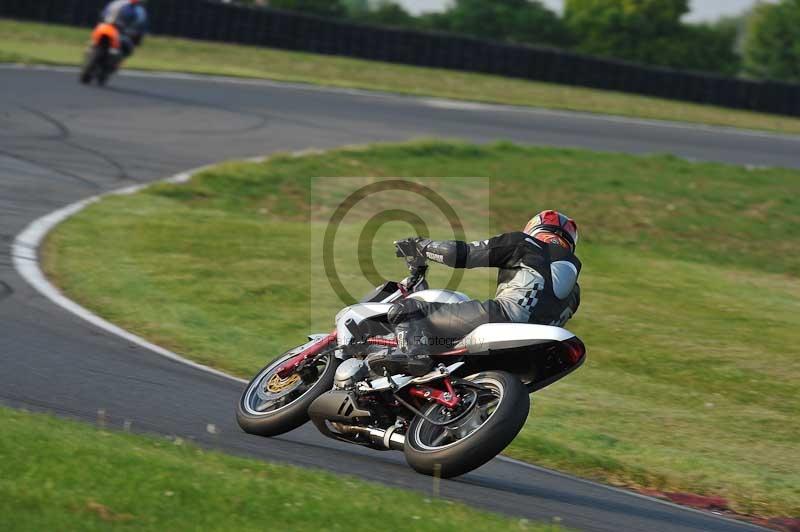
{"x": 354, "y": 222}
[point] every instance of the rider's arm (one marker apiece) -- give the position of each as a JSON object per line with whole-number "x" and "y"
{"x": 142, "y": 24}
{"x": 495, "y": 252}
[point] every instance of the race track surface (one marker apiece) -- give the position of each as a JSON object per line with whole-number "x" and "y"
{"x": 61, "y": 142}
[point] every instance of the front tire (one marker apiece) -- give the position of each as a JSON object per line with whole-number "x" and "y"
{"x": 89, "y": 65}
{"x": 102, "y": 77}
{"x": 498, "y": 415}
{"x": 257, "y": 413}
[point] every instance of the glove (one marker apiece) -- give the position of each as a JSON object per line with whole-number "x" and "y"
{"x": 409, "y": 247}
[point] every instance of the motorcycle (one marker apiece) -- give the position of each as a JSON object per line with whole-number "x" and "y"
{"x": 448, "y": 422}
{"x": 103, "y": 56}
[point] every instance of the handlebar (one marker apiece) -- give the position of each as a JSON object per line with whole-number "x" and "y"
{"x": 417, "y": 274}
{"x": 417, "y": 265}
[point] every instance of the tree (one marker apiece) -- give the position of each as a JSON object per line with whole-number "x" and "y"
{"x": 327, "y": 8}
{"x": 356, "y": 7}
{"x": 514, "y": 20}
{"x": 735, "y": 27}
{"x": 651, "y": 31}
{"x": 708, "y": 47}
{"x": 384, "y": 12}
{"x": 628, "y": 29}
{"x": 772, "y": 42}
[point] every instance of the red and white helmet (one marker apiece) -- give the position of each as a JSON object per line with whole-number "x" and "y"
{"x": 553, "y": 223}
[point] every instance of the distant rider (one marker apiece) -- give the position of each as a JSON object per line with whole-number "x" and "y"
{"x": 130, "y": 18}
{"x": 537, "y": 283}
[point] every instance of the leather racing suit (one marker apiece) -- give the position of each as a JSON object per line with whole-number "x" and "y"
{"x": 537, "y": 282}
{"x": 131, "y": 21}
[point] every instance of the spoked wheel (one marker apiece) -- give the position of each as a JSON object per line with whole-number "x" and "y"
{"x": 271, "y": 405}
{"x": 489, "y": 417}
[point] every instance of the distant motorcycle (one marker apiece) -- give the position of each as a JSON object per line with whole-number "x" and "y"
{"x": 103, "y": 56}
{"x": 448, "y": 422}
{"x": 106, "y": 51}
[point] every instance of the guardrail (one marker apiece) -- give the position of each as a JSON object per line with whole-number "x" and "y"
{"x": 215, "y": 21}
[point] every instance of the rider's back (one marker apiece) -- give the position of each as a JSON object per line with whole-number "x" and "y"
{"x": 127, "y": 16}
{"x": 538, "y": 282}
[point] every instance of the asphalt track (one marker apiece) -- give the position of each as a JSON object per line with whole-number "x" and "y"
{"x": 61, "y": 142}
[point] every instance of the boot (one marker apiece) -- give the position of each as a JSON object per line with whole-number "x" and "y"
{"x": 409, "y": 358}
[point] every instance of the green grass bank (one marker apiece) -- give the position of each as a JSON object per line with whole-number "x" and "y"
{"x": 72, "y": 476}
{"x": 691, "y": 296}
{"x": 25, "y": 42}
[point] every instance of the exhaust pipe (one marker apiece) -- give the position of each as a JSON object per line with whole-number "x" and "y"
{"x": 389, "y": 438}
{"x": 339, "y": 409}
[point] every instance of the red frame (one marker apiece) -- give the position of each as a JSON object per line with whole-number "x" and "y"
{"x": 453, "y": 353}
{"x": 382, "y": 341}
{"x": 434, "y": 394}
{"x": 289, "y": 367}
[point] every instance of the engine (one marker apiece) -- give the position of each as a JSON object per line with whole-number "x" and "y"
{"x": 349, "y": 373}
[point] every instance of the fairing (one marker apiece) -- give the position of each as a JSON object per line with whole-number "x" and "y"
{"x": 109, "y": 31}
{"x": 500, "y": 336}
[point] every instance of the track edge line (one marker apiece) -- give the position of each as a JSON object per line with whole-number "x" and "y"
{"x": 617, "y": 489}
{"x": 25, "y": 251}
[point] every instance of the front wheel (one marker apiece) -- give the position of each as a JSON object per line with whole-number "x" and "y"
{"x": 499, "y": 405}
{"x": 90, "y": 64}
{"x": 271, "y": 405}
{"x": 102, "y": 76}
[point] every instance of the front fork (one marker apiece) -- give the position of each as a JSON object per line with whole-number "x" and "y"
{"x": 291, "y": 365}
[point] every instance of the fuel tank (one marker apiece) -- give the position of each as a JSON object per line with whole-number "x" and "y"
{"x": 433, "y": 295}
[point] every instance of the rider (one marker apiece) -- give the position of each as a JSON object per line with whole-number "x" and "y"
{"x": 537, "y": 283}
{"x": 130, "y": 18}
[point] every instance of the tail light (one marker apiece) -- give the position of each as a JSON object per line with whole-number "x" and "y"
{"x": 574, "y": 349}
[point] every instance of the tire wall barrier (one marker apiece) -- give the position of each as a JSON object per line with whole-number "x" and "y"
{"x": 211, "y": 20}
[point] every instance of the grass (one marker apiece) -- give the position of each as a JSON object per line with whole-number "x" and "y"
{"x": 26, "y": 42}
{"x": 691, "y": 296}
{"x": 72, "y": 476}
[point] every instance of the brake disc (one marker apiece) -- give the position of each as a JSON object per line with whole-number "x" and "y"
{"x": 275, "y": 387}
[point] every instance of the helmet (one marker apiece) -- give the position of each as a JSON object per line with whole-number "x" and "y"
{"x": 559, "y": 226}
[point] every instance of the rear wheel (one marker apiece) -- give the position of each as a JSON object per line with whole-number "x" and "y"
{"x": 490, "y": 416}
{"x": 271, "y": 405}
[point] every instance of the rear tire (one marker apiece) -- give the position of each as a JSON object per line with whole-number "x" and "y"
{"x": 288, "y": 416}
{"x": 463, "y": 454}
